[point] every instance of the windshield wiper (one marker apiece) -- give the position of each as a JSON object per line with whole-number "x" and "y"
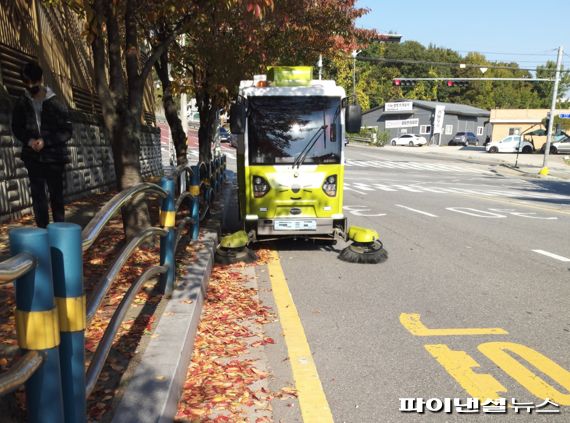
{"x": 303, "y": 155}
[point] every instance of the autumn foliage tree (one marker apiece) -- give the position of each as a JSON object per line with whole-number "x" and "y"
{"x": 226, "y": 41}
{"x": 123, "y": 57}
{"x": 231, "y": 42}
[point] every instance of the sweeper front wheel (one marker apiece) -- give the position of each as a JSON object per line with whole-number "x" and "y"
{"x": 364, "y": 252}
{"x": 234, "y": 255}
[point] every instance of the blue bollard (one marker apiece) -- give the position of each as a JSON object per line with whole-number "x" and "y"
{"x": 195, "y": 191}
{"x": 167, "y": 259}
{"x": 167, "y": 207}
{"x": 37, "y": 325}
{"x": 168, "y": 220}
{"x": 210, "y": 182}
{"x": 67, "y": 265}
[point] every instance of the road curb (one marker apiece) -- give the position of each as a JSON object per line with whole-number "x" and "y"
{"x": 153, "y": 392}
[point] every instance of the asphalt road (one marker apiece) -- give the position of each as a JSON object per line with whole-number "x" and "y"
{"x": 468, "y": 248}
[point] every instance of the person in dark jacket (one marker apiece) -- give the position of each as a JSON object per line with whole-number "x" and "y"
{"x": 41, "y": 124}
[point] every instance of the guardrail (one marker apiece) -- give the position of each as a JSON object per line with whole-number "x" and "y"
{"x": 52, "y": 311}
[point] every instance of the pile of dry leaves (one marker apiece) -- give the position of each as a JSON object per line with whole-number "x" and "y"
{"x": 222, "y": 380}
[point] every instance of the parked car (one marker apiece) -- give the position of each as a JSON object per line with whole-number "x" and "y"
{"x": 510, "y": 144}
{"x": 224, "y": 134}
{"x": 562, "y": 146}
{"x": 464, "y": 138}
{"x": 409, "y": 139}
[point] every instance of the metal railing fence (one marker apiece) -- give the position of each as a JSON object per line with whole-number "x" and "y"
{"x": 52, "y": 311}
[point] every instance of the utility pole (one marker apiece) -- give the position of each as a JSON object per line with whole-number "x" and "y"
{"x": 544, "y": 170}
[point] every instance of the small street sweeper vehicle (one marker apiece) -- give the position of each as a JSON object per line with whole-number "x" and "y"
{"x": 291, "y": 134}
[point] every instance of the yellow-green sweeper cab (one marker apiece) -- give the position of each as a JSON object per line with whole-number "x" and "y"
{"x": 290, "y": 163}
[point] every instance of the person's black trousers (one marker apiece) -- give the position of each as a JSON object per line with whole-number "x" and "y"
{"x": 52, "y": 175}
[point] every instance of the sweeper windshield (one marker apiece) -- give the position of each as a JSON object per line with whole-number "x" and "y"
{"x": 283, "y": 129}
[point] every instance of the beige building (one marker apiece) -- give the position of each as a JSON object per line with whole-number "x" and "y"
{"x": 519, "y": 121}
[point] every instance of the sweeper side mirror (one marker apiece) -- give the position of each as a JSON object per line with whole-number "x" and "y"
{"x": 237, "y": 118}
{"x": 353, "y": 118}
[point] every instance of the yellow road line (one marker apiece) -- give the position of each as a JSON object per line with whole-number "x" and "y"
{"x": 460, "y": 366}
{"x": 312, "y": 400}
{"x": 412, "y": 322}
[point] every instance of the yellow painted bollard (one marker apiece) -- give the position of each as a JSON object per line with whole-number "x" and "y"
{"x": 37, "y": 325}
{"x": 67, "y": 266}
{"x": 167, "y": 221}
{"x": 195, "y": 192}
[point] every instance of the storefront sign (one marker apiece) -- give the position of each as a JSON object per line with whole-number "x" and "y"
{"x": 407, "y": 123}
{"x": 403, "y": 106}
{"x": 438, "y": 119}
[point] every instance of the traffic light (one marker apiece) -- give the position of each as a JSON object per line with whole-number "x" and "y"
{"x": 403, "y": 83}
{"x": 456, "y": 83}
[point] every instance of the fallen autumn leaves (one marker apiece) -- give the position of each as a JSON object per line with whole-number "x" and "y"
{"x": 221, "y": 380}
{"x": 97, "y": 259}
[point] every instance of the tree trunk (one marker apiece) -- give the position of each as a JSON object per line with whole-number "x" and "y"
{"x": 127, "y": 168}
{"x": 208, "y": 126}
{"x": 171, "y": 111}
{"x": 122, "y": 100}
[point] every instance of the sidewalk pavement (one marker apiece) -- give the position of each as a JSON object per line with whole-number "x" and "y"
{"x": 527, "y": 164}
{"x": 159, "y": 382}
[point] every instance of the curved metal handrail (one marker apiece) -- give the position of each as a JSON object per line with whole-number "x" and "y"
{"x": 104, "y": 284}
{"x": 204, "y": 213}
{"x": 16, "y": 266}
{"x": 182, "y": 182}
{"x": 203, "y": 174}
{"x": 21, "y": 371}
{"x": 180, "y": 168}
{"x": 179, "y": 228}
{"x": 98, "y": 222}
{"x": 181, "y": 198}
{"x": 106, "y": 342}
{"x": 208, "y": 190}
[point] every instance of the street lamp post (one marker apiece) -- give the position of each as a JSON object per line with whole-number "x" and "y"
{"x": 354, "y": 54}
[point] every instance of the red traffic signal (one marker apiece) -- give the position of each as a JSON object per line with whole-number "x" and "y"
{"x": 452, "y": 83}
{"x": 403, "y": 83}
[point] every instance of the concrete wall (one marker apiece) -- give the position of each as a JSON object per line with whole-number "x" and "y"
{"x": 91, "y": 169}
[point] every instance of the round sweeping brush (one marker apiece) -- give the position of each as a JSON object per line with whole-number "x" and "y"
{"x": 234, "y": 255}
{"x": 368, "y": 252}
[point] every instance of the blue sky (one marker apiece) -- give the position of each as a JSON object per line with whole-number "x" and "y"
{"x": 523, "y": 31}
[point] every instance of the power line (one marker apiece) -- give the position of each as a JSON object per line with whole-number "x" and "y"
{"x": 448, "y": 64}
{"x": 544, "y": 53}
{"x": 473, "y": 79}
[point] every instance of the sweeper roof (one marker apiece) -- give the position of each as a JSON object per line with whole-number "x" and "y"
{"x": 323, "y": 88}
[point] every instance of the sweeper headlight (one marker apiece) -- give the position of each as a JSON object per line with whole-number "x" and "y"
{"x": 329, "y": 187}
{"x": 260, "y": 187}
